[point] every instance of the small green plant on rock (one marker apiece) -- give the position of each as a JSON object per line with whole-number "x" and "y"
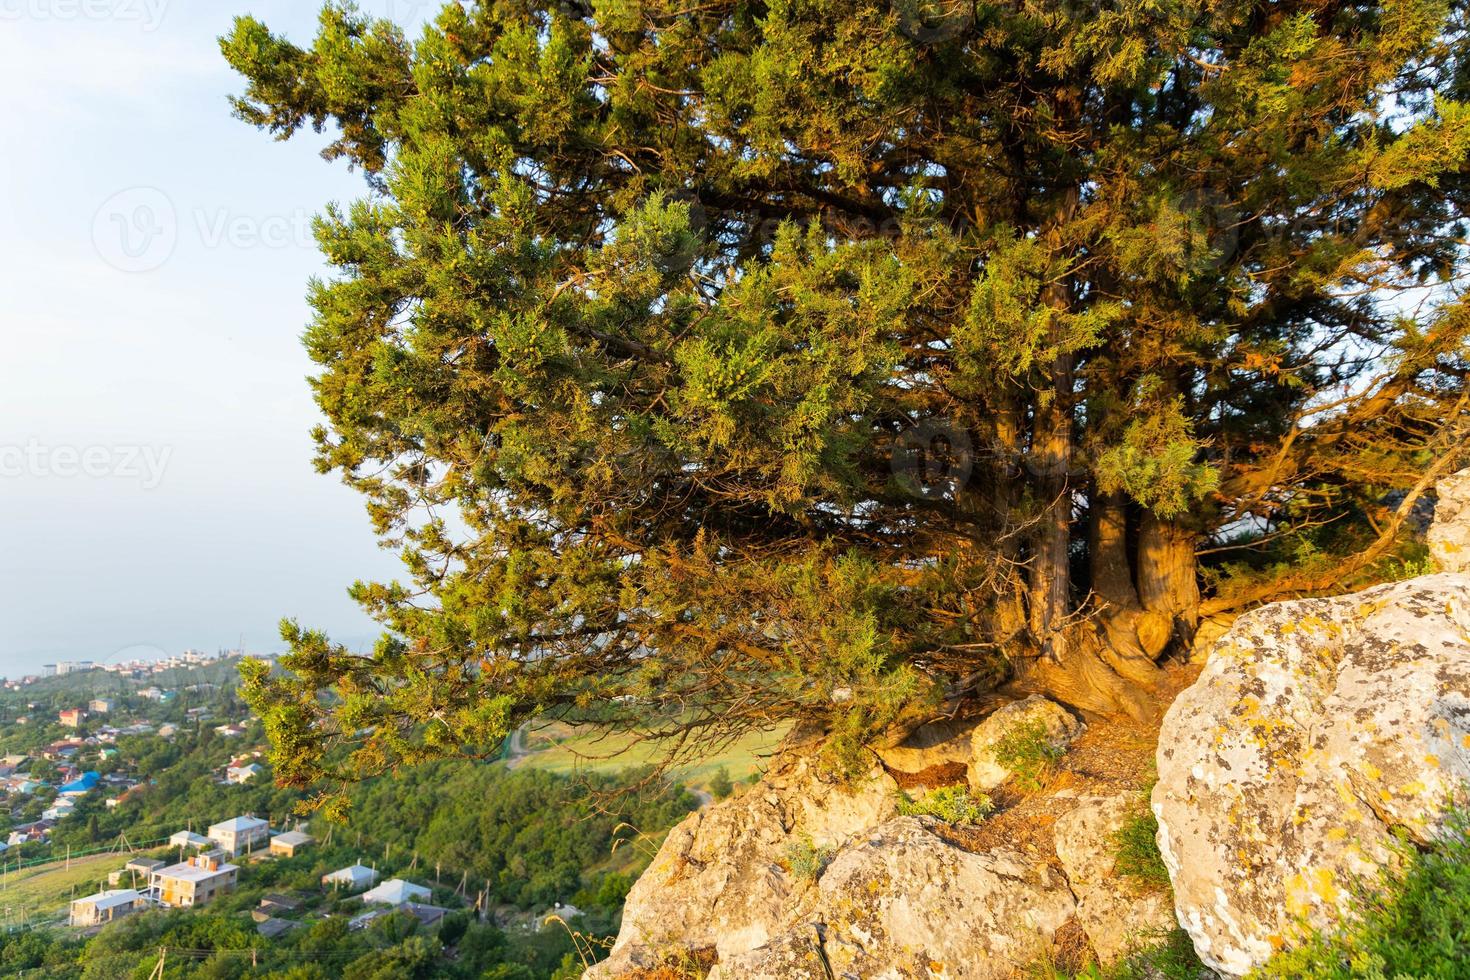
{"x": 1161, "y": 956}
{"x": 952, "y": 804}
{"x": 805, "y": 859}
{"x": 1028, "y": 751}
{"x": 1136, "y": 850}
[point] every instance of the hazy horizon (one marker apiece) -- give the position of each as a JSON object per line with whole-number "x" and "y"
{"x": 155, "y": 463}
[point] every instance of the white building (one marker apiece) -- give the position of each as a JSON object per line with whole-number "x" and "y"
{"x": 61, "y": 809}
{"x": 395, "y": 892}
{"x": 104, "y": 907}
{"x": 243, "y": 774}
{"x": 290, "y": 842}
{"x": 352, "y": 878}
{"x": 240, "y": 833}
{"x": 192, "y": 882}
{"x": 186, "y": 838}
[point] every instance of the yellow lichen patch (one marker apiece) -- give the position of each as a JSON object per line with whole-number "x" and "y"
{"x": 1324, "y": 886}
{"x": 1337, "y": 833}
{"x": 1298, "y": 896}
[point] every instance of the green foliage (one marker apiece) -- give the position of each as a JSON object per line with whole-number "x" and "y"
{"x": 1157, "y": 460}
{"x": 529, "y": 834}
{"x": 1029, "y": 751}
{"x": 805, "y": 860}
{"x": 952, "y": 804}
{"x": 719, "y": 784}
{"x": 1411, "y": 923}
{"x": 1136, "y": 849}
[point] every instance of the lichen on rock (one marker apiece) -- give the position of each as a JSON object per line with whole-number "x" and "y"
{"x": 1449, "y": 535}
{"x": 719, "y": 881}
{"x": 905, "y": 902}
{"x": 1317, "y": 728}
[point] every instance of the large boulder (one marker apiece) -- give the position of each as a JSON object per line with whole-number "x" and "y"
{"x": 1056, "y": 726}
{"x": 1316, "y": 728}
{"x": 721, "y": 880}
{"x": 1449, "y": 535}
{"x": 904, "y": 902}
{"x": 1118, "y": 915}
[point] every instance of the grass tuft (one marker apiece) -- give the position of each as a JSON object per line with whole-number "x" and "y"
{"x": 1137, "y": 853}
{"x": 952, "y": 804}
{"x": 1028, "y": 751}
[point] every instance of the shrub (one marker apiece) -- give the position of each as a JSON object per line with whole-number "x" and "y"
{"x": 1412, "y": 925}
{"x": 952, "y": 804}
{"x": 1169, "y": 956}
{"x": 805, "y": 859}
{"x": 1027, "y": 750}
{"x": 1136, "y": 847}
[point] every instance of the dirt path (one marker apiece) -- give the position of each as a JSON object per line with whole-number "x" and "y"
{"x": 516, "y": 751}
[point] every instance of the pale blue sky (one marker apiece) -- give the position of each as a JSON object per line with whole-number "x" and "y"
{"x": 155, "y": 472}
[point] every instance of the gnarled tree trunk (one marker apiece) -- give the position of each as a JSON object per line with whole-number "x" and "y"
{"x": 1168, "y": 576}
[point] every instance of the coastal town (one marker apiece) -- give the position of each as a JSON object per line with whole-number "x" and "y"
{"x": 144, "y": 795}
{"x": 63, "y": 780}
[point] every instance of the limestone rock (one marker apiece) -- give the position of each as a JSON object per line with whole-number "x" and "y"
{"x": 1449, "y": 535}
{"x": 1061, "y": 726}
{"x": 1315, "y": 727}
{"x": 1116, "y": 914}
{"x": 935, "y": 744}
{"x": 719, "y": 882}
{"x": 904, "y": 902}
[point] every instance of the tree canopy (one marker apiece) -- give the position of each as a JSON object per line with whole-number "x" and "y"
{"x": 723, "y": 365}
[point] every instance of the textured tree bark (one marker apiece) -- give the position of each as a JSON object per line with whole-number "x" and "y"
{"x": 1168, "y": 575}
{"x": 1011, "y": 615}
{"x": 1092, "y": 665}
{"x": 1112, "y": 574}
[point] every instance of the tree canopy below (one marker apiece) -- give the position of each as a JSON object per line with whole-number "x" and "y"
{"x": 718, "y": 366}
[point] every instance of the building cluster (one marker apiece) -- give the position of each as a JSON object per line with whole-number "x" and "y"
{"x": 206, "y": 869}
{"x": 136, "y": 669}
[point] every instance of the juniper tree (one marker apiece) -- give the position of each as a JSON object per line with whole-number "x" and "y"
{"x": 723, "y": 365}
